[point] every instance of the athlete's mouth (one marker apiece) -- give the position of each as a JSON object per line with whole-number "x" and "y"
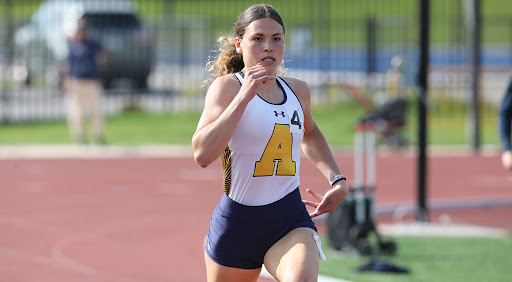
{"x": 268, "y": 59}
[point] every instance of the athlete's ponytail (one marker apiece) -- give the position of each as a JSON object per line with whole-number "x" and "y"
{"x": 226, "y": 60}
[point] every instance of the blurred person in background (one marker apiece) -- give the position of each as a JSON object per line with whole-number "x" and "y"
{"x": 257, "y": 122}
{"x": 80, "y": 83}
{"x": 505, "y": 127}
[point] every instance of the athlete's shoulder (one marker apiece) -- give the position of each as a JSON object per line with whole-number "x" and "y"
{"x": 225, "y": 86}
{"x": 298, "y": 86}
{"x": 226, "y": 81}
{"x": 294, "y": 81}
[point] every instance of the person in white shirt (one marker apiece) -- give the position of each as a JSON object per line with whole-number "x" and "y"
{"x": 257, "y": 121}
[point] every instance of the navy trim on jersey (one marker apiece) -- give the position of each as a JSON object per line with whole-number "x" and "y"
{"x": 285, "y": 98}
{"x": 284, "y": 92}
{"x": 239, "y": 81}
{"x": 287, "y": 85}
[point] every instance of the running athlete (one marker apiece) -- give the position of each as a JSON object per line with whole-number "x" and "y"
{"x": 257, "y": 122}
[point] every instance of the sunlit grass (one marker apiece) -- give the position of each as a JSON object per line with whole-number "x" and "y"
{"x": 430, "y": 259}
{"x": 336, "y": 121}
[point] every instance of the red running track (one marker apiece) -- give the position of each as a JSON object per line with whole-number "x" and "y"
{"x": 145, "y": 219}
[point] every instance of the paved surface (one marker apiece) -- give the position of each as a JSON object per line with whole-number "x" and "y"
{"x": 70, "y": 213}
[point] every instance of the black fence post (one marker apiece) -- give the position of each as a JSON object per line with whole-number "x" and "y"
{"x": 371, "y": 45}
{"x": 4, "y": 88}
{"x": 474, "y": 31}
{"x": 424, "y": 10}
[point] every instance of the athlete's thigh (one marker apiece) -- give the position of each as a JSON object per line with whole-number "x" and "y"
{"x": 219, "y": 273}
{"x": 294, "y": 256}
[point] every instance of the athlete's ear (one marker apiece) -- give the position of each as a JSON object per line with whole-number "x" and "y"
{"x": 238, "y": 46}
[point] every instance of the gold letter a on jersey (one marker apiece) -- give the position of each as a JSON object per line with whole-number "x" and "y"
{"x": 278, "y": 150}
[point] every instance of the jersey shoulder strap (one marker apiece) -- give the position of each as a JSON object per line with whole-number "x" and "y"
{"x": 239, "y": 76}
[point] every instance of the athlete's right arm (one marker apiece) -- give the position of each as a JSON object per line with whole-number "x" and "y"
{"x": 224, "y": 106}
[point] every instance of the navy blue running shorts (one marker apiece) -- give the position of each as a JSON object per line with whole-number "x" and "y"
{"x": 240, "y": 235}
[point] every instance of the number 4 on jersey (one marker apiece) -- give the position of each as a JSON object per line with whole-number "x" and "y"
{"x": 296, "y": 120}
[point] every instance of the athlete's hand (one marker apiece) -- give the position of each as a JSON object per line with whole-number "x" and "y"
{"x": 329, "y": 201}
{"x": 254, "y": 77}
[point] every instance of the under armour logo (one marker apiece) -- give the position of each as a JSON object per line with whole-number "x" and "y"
{"x": 277, "y": 114}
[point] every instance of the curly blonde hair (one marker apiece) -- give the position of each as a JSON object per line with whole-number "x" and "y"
{"x": 225, "y": 59}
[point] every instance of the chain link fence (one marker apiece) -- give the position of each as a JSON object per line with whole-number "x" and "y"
{"x": 336, "y": 46}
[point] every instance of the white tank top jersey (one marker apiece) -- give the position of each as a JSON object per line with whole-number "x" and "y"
{"x": 262, "y": 160}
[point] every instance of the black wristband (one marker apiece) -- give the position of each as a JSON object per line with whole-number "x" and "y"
{"x": 337, "y": 178}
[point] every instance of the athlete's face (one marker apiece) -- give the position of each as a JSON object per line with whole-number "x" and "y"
{"x": 263, "y": 43}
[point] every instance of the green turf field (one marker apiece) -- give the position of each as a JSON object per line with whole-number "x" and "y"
{"x": 336, "y": 121}
{"x": 430, "y": 259}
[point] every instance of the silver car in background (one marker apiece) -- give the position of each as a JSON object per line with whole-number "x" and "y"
{"x": 41, "y": 45}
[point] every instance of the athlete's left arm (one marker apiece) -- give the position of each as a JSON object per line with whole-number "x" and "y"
{"x": 315, "y": 148}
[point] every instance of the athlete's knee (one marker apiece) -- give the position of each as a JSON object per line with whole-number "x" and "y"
{"x": 304, "y": 274}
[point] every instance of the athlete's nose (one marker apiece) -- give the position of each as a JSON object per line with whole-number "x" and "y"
{"x": 267, "y": 46}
